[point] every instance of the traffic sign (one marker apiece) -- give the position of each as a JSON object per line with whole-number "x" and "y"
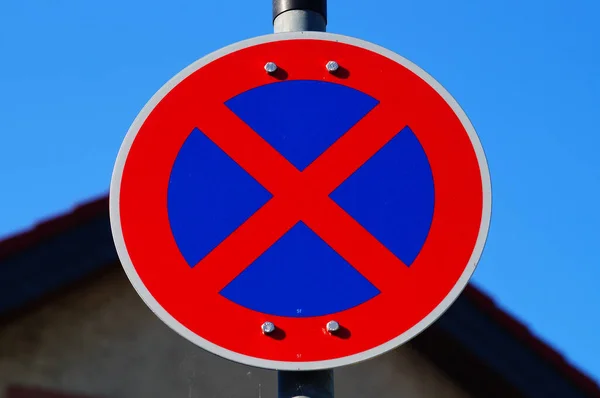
{"x": 300, "y": 201}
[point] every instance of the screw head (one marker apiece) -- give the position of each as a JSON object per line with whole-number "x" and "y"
{"x": 270, "y": 67}
{"x": 268, "y": 327}
{"x": 332, "y": 66}
{"x": 332, "y": 326}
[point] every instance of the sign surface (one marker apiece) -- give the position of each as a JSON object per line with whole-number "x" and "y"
{"x": 299, "y": 197}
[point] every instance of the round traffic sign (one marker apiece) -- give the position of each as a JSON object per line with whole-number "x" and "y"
{"x": 300, "y": 201}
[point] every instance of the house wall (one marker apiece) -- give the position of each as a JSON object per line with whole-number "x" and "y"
{"x": 101, "y": 340}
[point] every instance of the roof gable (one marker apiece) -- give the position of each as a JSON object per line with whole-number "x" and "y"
{"x": 489, "y": 352}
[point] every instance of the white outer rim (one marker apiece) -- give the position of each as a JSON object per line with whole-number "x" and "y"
{"x": 141, "y": 289}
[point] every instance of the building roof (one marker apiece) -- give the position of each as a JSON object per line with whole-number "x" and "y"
{"x": 486, "y": 350}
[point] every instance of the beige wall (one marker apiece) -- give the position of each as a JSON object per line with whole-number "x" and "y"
{"x": 102, "y": 340}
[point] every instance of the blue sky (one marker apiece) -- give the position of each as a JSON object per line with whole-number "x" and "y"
{"x": 74, "y": 74}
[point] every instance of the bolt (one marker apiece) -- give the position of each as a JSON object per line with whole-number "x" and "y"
{"x": 333, "y": 326}
{"x": 332, "y": 66}
{"x": 270, "y": 67}
{"x": 268, "y": 327}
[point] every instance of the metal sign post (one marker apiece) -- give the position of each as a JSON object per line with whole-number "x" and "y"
{"x": 299, "y": 16}
{"x": 309, "y": 384}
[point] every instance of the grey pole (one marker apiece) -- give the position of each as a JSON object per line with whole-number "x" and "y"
{"x": 298, "y": 16}
{"x": 307, "y": 384}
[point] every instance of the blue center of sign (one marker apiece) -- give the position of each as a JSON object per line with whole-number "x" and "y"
{"x": 391, "y": 195}
{"x": 301, "y": 118}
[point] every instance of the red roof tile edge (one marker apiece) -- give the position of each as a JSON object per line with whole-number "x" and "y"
{"x": 53, "y": 226}
{"x": 518, "y": 330}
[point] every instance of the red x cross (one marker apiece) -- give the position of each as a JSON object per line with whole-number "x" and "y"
{"x": 301, "y": 196}
{"x": 190, "y": 296}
